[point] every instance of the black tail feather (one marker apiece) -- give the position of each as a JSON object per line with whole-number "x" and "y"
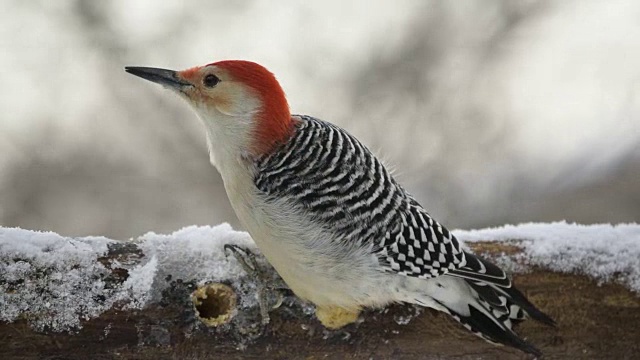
{"x": 519, "y": 299}
{"x": 511, "y": 301}
{"x": 494, "y": 287}
{"x": 487, "y": 328}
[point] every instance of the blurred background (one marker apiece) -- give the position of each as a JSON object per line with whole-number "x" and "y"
{"x": 490, "y": 112}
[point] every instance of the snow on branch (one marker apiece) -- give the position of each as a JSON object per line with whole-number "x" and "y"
{"x": 56, "y": 282}
{"x": 604, "y": 252}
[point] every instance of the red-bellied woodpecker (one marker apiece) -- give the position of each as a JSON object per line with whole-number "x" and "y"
{"x": 333, "y": 222}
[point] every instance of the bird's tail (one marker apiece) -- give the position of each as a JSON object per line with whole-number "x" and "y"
{"x": 494, "y": 286}
{"x": 493, "y": 322}
{"x": 483, "y": 299}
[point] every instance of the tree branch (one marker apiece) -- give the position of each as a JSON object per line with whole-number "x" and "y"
{"x": 594, "y": 321}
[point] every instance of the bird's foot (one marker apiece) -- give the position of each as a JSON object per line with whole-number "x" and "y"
{"x": 333, "y": 317}
{"x": 265, "y": 283}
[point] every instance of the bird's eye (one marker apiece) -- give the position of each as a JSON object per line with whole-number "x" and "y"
{"x": 210, "y": 80}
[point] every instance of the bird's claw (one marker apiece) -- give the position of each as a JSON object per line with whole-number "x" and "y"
{"x": 250, "y": 265}
{"x": 245, "y": 257}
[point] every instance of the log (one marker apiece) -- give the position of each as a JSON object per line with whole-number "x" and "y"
{"x": 594, "y": 320}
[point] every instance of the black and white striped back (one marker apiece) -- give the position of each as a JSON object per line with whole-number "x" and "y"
{"x": 339, "y": 183}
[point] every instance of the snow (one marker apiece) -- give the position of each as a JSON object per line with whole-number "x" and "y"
{"x": 57, "y": 282}
{"x": 137, "y": 287}
{"x": 604, "y": 252}
{"x": 41, "y": 273}
{"x": 196, "y": 252}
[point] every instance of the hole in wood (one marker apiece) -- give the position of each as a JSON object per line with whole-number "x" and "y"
{"x": 215, "y": 304}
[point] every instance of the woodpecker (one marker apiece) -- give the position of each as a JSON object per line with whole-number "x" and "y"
{"x": 329, "y": 217}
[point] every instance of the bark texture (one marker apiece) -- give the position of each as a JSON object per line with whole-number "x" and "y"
{"x": 594, "y": 322}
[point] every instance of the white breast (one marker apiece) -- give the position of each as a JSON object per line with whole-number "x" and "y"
{"x": 316, "y": 266}
{"x": 303, "y": 253}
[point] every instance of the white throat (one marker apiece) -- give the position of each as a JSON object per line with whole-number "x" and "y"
{"x": 228, "y": 139}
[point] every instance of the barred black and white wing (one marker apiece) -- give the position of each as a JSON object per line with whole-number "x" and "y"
{"x": 339, "y": 183}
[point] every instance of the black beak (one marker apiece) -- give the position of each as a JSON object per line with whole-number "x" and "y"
{"x": 166, "y": 78}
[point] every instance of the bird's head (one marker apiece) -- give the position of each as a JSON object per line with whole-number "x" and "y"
{"x": 241, "y": 103}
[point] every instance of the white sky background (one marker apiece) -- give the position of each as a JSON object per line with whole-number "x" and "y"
{"x": 574, "y": 72}
{"x": 328, "y": 38}
{"x": 565, "y": 82}
{"x": 574, "y": 88}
